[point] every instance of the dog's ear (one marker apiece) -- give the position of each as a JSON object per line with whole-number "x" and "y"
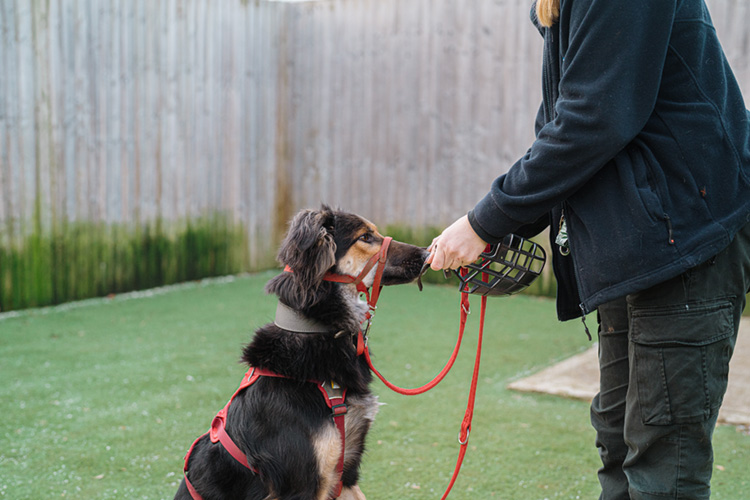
{"x": 309, "y": 249}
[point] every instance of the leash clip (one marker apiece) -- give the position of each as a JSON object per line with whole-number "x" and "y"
{"x": 367, "y": 324}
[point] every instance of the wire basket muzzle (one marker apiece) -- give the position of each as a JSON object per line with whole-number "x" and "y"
{"x": 506, "y": 268}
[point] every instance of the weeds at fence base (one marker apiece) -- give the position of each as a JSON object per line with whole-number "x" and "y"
{"x": 79, "y": 260}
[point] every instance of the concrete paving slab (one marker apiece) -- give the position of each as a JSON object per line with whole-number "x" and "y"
{"x": 578, "y": 377}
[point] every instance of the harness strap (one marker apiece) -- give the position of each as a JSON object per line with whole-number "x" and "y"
{"x": 193, "y": 492}
{"x": 218, "y": 432}
{"x": 191, "y": 489}
{"x": 335, "y": 398}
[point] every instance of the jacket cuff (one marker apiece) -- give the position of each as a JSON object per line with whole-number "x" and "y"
{"x": 488, "y": 221}
{"x": 479, "y": 230}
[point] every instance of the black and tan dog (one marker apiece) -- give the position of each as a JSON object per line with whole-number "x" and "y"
{"x": 281, "y": 422}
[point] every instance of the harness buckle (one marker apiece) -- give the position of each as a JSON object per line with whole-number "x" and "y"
{"x": 339, "y": 410}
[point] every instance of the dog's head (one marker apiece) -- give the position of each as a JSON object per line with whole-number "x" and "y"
{"x": 327, "y": 240}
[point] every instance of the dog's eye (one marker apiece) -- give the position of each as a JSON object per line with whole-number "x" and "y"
{"x": 366, "y": 238}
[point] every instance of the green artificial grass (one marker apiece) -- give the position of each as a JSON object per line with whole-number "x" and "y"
{"x": 101, "y": 399}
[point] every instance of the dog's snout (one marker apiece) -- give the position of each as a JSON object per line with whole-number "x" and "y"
{"x": 404, "y": 264}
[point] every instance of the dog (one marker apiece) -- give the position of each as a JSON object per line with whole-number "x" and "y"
{"x": 289, "y": 432}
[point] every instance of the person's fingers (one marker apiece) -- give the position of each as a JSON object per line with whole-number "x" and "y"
{"x": 456, "y": 246}
{"x": 443, "y": 258}
{"x": 438, "y": 259}
{"x": 428, "y": 260}
{"x": 434, "y": 242}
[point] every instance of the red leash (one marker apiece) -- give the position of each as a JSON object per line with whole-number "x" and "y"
{"x": 463, "y": 436}
{"x": 440, "y": 376}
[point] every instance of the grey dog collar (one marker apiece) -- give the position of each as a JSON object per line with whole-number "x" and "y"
{"x": 289, "y": 319}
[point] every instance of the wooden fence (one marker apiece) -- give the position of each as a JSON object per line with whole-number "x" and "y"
{"x": 147, "y": 141}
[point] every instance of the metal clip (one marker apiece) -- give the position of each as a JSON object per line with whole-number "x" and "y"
{"x": 462, "y": 443}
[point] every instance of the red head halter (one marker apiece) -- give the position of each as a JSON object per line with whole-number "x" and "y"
{"x": 379, "y": 259}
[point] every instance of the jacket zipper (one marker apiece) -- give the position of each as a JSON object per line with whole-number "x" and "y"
{"x": 668, "y": 220}
{"x": 549, "y": 108}
{"x": 547, "y": 76}
{"x": 571, "y": 254}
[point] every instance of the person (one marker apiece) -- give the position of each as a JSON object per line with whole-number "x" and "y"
{"x": 641, "y": 169}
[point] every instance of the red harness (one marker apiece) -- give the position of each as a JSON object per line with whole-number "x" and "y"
{"x": 335, "y": 398}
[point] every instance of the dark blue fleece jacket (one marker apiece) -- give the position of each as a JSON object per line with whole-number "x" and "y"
{"x": 643, "y": 143}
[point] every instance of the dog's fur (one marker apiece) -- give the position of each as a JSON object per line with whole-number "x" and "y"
{"x": 283, "y": 424}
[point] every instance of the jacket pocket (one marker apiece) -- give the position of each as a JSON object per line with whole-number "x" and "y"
{"x": 639, "y": 174}
{"x": 681, "y": 360}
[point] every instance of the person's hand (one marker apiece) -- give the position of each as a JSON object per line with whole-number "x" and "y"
{"x": 458, "y": 245}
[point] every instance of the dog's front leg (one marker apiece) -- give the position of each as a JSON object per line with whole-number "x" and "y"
{"x": 352, "y": 493}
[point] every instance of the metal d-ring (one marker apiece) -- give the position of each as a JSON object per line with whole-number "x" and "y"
{"x": 462, "y": 443}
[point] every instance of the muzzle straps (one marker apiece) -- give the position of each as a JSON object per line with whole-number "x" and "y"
{"x": 378, "y": 259}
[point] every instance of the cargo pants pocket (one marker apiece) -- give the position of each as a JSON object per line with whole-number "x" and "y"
{"x": 681, "y": 360}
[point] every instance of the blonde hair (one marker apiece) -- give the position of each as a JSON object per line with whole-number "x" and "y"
{"x": 547, "y": 11}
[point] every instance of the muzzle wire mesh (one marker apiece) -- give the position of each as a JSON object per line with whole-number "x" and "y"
{"x": 506, "y": 268}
